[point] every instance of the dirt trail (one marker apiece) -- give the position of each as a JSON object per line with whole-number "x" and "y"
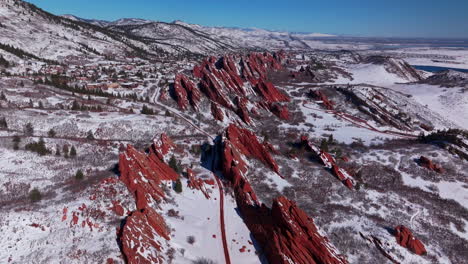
{"x": 361, "y": 123}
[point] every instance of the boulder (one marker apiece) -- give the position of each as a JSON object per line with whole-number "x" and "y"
{"x": 216, "y": 112}
{"x": 428, "y": 164}
{"x": 406, "y": 239}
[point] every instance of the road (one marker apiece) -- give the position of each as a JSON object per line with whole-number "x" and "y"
{"x": 222, "y": 224}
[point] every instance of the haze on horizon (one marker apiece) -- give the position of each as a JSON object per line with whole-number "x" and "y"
{"x": 399, "y": 18}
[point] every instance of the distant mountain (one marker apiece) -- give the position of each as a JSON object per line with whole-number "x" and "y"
{"x": 178, "y": 36}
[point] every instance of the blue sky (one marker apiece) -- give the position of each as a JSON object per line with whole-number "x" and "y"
{"x": 389, "y": 18}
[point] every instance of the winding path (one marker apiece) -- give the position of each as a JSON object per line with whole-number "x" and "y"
{"x": 175, "y": 112}
{"x": 360, "y": 122}
{"x": 222, "y": 224}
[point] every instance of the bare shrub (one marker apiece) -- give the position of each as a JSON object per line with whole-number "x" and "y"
{"x": 203, "y": 261}
{"x": 191, "y": 240}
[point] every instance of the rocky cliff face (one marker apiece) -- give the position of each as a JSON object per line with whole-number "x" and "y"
{"x": 285, "y": 232}
{"x": 233, "y": 82}
{"x": 406, "y": 239}
{"x": 144, "y": 228}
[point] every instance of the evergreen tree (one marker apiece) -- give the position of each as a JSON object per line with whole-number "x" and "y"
{"x": 324, "y": 145}
{"x": 178, "y": 186}
{"x": 41, "y": 106}
{"x": 35, "y": 195}
{"x": 79, "y": 175}
{"x": 72, "y": 152}
{"x": 90, "y": 135}
{"x": 2, "y": 96}
{"x": 57, "y": 151}
{"x": 3, "y": 123}
{"x": 16, "y": 141}
{"x": 330, "y": 139}
{"x": 28, "y": 129}
{"x": 173, "y": 164}
{"x": 51, "y": 133}
{"x": 65, "y": 151}
{"x": 75, "y": 106}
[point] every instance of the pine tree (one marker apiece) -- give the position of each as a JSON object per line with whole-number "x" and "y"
{"x": 16, "y": 141}
{"x": 90, "y": 135}
{"x": 57, "y": 151}
{"x": 2, "y": 96}
{"x": 330, "y": 139}
{"x": 178, "y": 186}
{"x": 324, "y": 145}
{"x": 51, "y": 133}
{"x": 35, "y": 195}
{"x": 65, "y": 151}
{"x": 28, "y": 129}
{"x": 41, "y": 105}
{"x": 79, "y": 175}
{"x": 72, "y": 152}
{"x": 3, "y": 123}
{"x": 173, "y": 164}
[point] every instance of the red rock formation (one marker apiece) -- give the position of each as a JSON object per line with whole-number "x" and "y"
{"x": 223, "y": 79}
{"x": 185, "y": 91}
{"x": 117, "y": 208}
{"x": 162, "y": 146}
{"x": 216, "y": 112}
{"x": 428, "y": 164}
{"x": 268, "y": 91}
{"x": 328, "y": 104}
{"x": 142, "y": 174}
{"x": 285, "y": 232}
{"x": 280, "y": 111}
{"x": 343, "y": 175}
{"x": 139, "y": 237}
{"x": 247, "y": 143}
{"x": 242, "y": 112}
{"x": 406, "y": 239}
{"x": 197, "y": 183}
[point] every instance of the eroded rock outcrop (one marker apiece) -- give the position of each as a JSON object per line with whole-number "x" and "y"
{"x": 186, "y": 92}
{"x": 144, "y": 228}
{"x": 140, "y": 234}
{"x": 142, "y": 174}
{"x": 285, "y": 232}
{"x": 246, "y": 142}
{"x": 318, "y": 95}
{"x": 428, "y": 164}
{"x": 231, "y": 79}
{"x": 406, "y": 239}
{"x": 162, "y": 146}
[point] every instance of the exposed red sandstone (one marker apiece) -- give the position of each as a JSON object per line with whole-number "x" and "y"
{"x": 246, "y": 142}
{"x": 328, "y": 104}
{"x": 197, "y": 183}
{"x": 280, "y": 111}
{"x": 142, "y": 174}
{"x": 428, "y": 164}
{"x": 222, "y": 80}
{"x": 139, "y": 237}
{"x": 162, "y": 146}
{"x": 216, "y": 112}
{"x": 186, "y": 92}
{"x": 285, "y": 232}
{"x": 406, "y": 239}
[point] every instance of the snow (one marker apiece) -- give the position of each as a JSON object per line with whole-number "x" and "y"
{"x": 451, "y": 103}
